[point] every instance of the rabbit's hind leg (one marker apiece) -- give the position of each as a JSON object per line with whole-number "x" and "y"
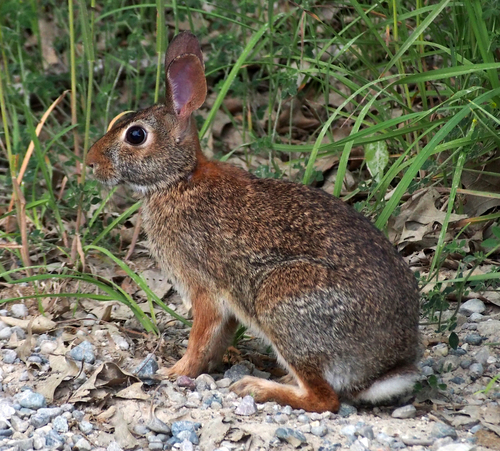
{"x": 313, "y": 393}
{"x": 294, "y": 316}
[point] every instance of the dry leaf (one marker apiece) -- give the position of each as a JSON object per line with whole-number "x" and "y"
{"x": 492, "y": 297}
{"x": 121, "y": 312}
{"x": 469, "y": 416}
{"x": 157, "y": 282}
{"x": 24, "y": 349}
{"x": 213, "y": 433}
{"x": 348, "y": 183}
{"x": 236, "y": 434}
{"x": 62, "y": 368}
{"x": 492, "y": 427}
{"x": 106, "y": 415}
{"x": 48, "y": 33}
{"x": 491, "y": 414}
{"x": 134, "y": 391}
{"x": 487, "y": 439}
{"x": 417, "y": 218}
{"x": 102, "y": 383}
{"x": 299, "y": 120}
{"x": 475, "y": 205}
{"x": 40, "y": 325}
{"x": 122, "y": 434}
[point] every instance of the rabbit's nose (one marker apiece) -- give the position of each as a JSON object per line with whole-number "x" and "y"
{"x": 91, "y": 159}
{"x": 93, "y": 166}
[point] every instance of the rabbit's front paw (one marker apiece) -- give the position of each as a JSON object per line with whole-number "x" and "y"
{"x": 167, "y": 373}
{"x": 182, "y": 368}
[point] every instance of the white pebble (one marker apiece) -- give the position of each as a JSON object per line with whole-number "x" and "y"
{"x": 19, "y": 311}
{"x": 224, "y": 382}
{"x": 48, "y": 347}
{"x": 472, "y": 306}
{"x": 457, "y": 447}
{"x": 5, "y": 333}
{"x": 120, "y": 342}
{"x": 186, "y": 445}
{"x": 246, "y": 407}
{"x": 441, "y": 349}
{"x": 404, "y": 412}
{"x": 113, "y": 446}
{"x": 475, "y": 317}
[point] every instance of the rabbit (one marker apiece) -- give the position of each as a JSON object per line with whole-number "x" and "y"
{"x": 305, "y": 271}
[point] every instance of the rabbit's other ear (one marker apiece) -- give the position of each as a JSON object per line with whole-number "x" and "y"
{"x": 186, "y": 86}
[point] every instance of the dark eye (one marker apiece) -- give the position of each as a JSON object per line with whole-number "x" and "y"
{"x": 136, "y": 135}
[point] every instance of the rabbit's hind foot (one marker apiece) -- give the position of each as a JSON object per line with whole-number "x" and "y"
{"x": 314, "y": 395}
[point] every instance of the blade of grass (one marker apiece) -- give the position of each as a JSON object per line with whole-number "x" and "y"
{"x": 140, "y": 283}
{"x": 45, "y": 172}
{"x": 72, "y": 56}
{"x": 161, "y": 40}
{"x": 416, "y": 33}
{"x": 448, "y": 72}
{"x": 480, "y": 30}
{"x": 315, "y": 149}
{"x": 457, "y": 174}
{"x": 114, "y": 291}
{"x": 230, "y": 78}
{"x": 126, "y": 214}
{"x": 424, "y": 154}
{"x": 99, "y": 210}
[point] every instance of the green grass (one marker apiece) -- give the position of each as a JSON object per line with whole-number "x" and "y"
{"x": 419, "y": 81}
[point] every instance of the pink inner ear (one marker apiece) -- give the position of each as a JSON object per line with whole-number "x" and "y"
{"x": 184, "y": 76}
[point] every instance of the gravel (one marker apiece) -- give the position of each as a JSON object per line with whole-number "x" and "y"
{"x": 472, "y": 306}
{"x": 19, "y": 311}
{"x": 203, "y": 414}
{"x": 84, "y": 352}
{"x": 408, "y": 411}
{"x": 246, "y": 407}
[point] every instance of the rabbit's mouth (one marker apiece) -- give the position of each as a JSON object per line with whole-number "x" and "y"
{"x": 106, "y": 179}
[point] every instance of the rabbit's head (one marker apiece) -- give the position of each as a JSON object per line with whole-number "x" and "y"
{"x": 158, "y": 146}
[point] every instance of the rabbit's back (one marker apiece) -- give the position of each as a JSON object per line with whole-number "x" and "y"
{"x": 232, "y": 223}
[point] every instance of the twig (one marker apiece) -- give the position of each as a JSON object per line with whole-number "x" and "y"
{"x": 31, "y": 146}
{"x": 135, "y": 236}
{"x": 21, "y": 221}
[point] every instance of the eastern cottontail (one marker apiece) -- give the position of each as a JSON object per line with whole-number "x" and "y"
{"x": 301, "y": 268}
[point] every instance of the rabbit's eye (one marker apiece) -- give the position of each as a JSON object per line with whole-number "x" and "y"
{"x": 135, "y": 135}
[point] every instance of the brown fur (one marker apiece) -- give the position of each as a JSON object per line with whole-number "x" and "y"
{"x": 304, "y": 270}
{"x": 313, "y": 392}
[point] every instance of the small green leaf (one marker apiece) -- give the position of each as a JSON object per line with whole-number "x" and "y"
{"x": 496, "y": 231}
{"x": 453, "y": 340}
{"x": 432, "y": 380}
{"x": 377, "y": 157}
{"x": 490, "y": 243}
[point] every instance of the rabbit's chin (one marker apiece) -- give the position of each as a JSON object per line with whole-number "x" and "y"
{"x": 114, "y": 181}
{"x": 110, "y": 182}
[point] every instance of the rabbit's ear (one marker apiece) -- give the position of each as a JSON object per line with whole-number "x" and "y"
{"x": 183, "y": 43}
{"x": 186, "y": 86}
